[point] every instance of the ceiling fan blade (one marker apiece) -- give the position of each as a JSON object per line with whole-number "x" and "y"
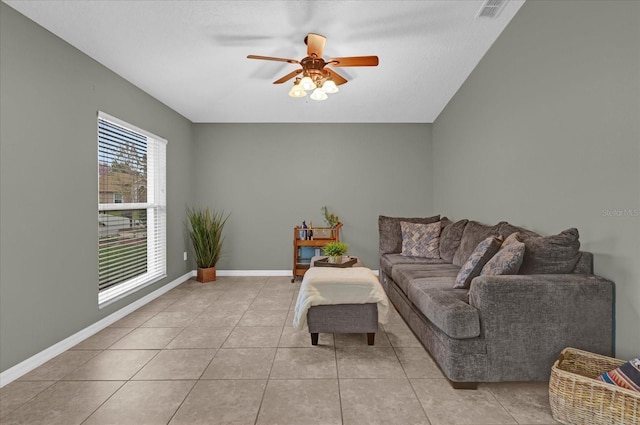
{"x": 288, "y": 76}
{"x": 354, "y": 61}
{"x": 337, "y": 78}
{"x": 269, "y": 58}
{"x": 315, "y": 44}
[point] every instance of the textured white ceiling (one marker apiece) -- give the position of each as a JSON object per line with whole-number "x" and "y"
{"x": 191, "y": 55}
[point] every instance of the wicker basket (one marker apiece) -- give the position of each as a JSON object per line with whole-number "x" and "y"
{"x": 577, "y": 398}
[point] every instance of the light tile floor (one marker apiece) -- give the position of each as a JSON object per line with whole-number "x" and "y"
{"x": 226, "y": 353}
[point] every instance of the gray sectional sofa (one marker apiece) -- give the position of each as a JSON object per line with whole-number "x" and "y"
{"x": 504, "y": 327}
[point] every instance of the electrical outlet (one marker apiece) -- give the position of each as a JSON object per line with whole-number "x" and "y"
{"x": 185, "y": 256}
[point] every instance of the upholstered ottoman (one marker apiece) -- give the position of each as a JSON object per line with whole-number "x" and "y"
{"x": 343, "y": 318}
{"x": 341, "y": 300}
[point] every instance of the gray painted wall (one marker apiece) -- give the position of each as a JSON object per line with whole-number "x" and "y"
{"x": 548, "y": 123}
{"x": 49, "y": 98}
{"x": 273, "y": 176}
{"x": 545, "y": 134}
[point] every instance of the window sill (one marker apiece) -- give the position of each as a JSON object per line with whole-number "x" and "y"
{"x": 118, "y": 292}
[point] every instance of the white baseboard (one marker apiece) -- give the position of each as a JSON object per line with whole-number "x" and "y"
{"x": 259, "y": 272}
{"x": 253, "y": 272}
{"x": 47, "y": 354}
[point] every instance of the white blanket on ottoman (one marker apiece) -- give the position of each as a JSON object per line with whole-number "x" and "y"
{"x": 330, "y": 285}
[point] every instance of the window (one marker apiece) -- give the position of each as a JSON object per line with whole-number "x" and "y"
{"x": 131, "y": 209}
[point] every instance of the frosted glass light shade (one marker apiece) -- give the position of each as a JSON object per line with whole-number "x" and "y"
{"x": 330, "y": 87}
{"x": 307, "y": 83}
{"x": 318, "y": 94}
{"x": 297, "y": 91}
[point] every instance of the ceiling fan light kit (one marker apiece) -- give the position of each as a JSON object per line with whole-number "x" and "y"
{"x": 330, "y": 87}
{"x": 318, "y": 94}
{"x": 315, "y": 75}
{"x": 307, "y": 83}
{"x": 297, "y": 90}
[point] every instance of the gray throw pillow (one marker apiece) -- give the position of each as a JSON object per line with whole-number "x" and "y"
{"x": 450, "y": 238}
{"x": 473, "y": 234}
{"x": 508, "y": 229}
{"x": 445, "y": 222}
{"x": 557, "y": 254}
{"x": 507, "y": 260}
{"x": 391, "y": 235}
{"x": 476, "y": 261}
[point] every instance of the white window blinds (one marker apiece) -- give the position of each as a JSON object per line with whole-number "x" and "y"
{"x": 131, "y": 208}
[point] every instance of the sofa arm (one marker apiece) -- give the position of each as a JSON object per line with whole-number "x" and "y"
{"x": 527, "y": 320}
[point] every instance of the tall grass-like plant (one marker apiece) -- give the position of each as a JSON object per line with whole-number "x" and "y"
{"x": 206, "y": 235}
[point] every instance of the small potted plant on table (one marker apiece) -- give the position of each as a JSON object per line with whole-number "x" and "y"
{"x": 335, "y": 251}
{"x": 206, "y": 237}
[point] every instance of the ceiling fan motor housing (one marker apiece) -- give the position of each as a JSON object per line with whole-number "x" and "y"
{"x": 311, "y": 63}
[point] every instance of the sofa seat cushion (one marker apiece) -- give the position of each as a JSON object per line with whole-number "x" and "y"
{"x": 388, "y": 261}
{"x": 445, "y": 307}
{"x": 402, "y": 274}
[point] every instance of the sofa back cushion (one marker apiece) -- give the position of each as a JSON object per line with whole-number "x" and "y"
{"x": 390, "y": 232}
{"x": 557, "y": 254}
{"x": 508, "y": 229}
{"x": 473, "y": 234}
{"x": 450, "y": 238}
{"x": 584, "y": 264}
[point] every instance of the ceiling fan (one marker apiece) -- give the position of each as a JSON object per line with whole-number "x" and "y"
{"x": 314, "y": 71}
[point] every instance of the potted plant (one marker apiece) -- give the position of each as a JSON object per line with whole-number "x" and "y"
{"x": 331, "y": 219}
{"x": 206, "y": 236}
{"x": 335, "y": 251}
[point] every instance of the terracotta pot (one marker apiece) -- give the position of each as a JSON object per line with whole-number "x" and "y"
{"x": 206, "y": 275}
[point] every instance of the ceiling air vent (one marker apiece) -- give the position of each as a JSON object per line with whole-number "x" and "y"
{"x": 491, "y": 8}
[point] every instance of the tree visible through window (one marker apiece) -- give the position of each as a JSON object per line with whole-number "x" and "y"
{"x": 131, "y": 208}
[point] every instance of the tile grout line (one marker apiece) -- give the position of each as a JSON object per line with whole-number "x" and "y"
{"x": 335, "y": 353}
{"x": 266, "y": 385}
{"x": 205, "y": 368}
{"x": 195, "y": 382}
{"x": 410, "y": 383}
{"x": 105, "y": 401}
{"x": 501, "y": 405}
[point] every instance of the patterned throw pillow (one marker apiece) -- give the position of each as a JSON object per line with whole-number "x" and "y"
{"x": 507, "y": 260}
{"x": 391, "y": 234}
{"x": 476, "y": 261}
{"x": 513, "y": 238}
{"x": 626, "y": 376}
{"x": 421, "y": 240}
